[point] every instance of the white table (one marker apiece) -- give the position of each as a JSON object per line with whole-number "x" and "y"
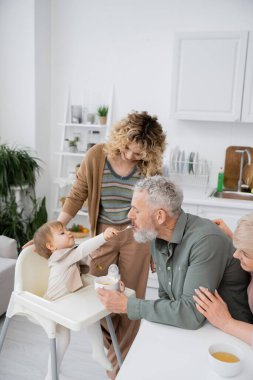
{"x": 162, "y": 352}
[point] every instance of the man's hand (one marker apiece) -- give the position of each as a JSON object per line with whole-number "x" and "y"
{"x": 115, "y": 302}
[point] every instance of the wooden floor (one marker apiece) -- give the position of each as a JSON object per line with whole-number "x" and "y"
{"x": 25, "y": 353}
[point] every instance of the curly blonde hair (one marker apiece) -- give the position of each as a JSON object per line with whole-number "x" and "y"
{"x": 140, "y": 128}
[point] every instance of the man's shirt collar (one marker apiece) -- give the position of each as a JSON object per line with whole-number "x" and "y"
{"x": 167, "y": 247}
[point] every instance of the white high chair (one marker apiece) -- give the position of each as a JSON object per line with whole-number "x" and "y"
{"x": 73, "y": 311}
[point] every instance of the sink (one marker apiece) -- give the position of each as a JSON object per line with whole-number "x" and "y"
{"x": 229, "y": 194}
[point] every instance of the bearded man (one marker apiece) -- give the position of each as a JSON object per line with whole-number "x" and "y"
{"x": 188, "y": 252}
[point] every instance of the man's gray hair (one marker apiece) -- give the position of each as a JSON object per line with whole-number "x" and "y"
{"x": 162, "y": 193}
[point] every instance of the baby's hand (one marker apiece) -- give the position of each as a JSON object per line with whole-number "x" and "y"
{"x": 110, "y": 233}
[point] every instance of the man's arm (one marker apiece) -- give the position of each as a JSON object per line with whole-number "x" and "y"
{"x": 207, "y": 262}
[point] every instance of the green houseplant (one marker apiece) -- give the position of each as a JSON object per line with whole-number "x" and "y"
{"x": 18, "y": 174}
{"x": 102, "y": 112}
{"x": 17, "y": 169}
{"x": 72, "y": 144}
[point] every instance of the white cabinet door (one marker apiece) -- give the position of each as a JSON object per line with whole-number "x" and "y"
{"x": 208, "y": 75}
{"x": 229, "y": 215}
{"x": 190, "y": 208}
{"x": 247, "y": 110}
{"x": 152, "y": 286}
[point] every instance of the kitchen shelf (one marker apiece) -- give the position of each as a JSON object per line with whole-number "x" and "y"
{"x": 86, "y": 134}
{"x": 73, "y": 154}
{"x": 89, "y": 126}
{"x": 64, "y": 181}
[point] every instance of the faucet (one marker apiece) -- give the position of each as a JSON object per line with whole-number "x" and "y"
{"x": 242, "y": 151}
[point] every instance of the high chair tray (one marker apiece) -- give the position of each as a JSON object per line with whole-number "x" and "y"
{"x": 74, "y": 311}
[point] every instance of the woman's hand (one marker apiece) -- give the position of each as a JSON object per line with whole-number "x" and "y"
{"x": 212, "y": 307}
{"x": 222, "y": 225}
{"x": 27, "y": 244}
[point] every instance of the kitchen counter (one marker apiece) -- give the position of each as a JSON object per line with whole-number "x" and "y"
{"x": 194, "y": 195}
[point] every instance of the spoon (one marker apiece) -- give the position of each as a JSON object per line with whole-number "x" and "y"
{"x": 127, "y": 228}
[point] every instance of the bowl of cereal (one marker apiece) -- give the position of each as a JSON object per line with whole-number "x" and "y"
{"x": 106, "y": 282}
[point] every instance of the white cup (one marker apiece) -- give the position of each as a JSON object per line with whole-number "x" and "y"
{"x": 225, "y": 368}
{"x": 106, "y": 282}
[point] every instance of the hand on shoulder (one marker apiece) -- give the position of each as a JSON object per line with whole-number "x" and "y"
{"x": 224, "y": 227}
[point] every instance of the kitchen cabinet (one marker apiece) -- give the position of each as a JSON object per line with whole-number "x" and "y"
{"x": 208, "y": 78}
{"x": 221, "y": 210}
{"x": 229, "y": 215}
{"x": 247, "y": 110}
{"x": 152, "y": 287}
{"x": 190, "y": 208}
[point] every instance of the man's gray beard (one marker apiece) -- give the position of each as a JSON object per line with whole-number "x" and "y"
{"x": 144, "y": 236}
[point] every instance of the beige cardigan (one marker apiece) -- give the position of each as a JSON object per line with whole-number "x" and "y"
{"x": 88, "y": 185}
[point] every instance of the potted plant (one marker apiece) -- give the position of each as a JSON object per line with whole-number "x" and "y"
{"x": 102, "y": 112}
{"x": 17, "y": 169}
{"x": 16, "y": 224}
{"x": 72, "y": 144}
{"x": 20, "y": 212}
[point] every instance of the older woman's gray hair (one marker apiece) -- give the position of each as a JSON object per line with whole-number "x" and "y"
{"x": 162, "y": 193}
{"x": 243, "y": 235}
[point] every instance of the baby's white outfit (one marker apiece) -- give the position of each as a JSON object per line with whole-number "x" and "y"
{"x": 64, "y": 277}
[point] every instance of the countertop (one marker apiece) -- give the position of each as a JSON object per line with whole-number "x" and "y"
{"x": 197, "y": 196}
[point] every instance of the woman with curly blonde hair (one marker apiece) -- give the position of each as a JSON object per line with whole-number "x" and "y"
{"x": 106, "y": 179}
{"x": 130, "y": 129}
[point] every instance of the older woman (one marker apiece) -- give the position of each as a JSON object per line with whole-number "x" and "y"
{"x": 211, "y": 305}
{"x": 106, "y": 179}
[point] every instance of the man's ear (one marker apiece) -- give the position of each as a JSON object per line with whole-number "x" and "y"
{"x": 161, "y": 216}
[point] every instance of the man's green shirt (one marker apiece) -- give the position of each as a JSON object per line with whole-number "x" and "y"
{"x": 199, "y": 254}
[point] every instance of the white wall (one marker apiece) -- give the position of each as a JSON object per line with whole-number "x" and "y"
{"x": 25, "y": 79}
{"x": 17, "y": 80}
{"x": 130, "y": 43}
{"x": 42, "y": 61}
{"x": 92, "y": 44}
